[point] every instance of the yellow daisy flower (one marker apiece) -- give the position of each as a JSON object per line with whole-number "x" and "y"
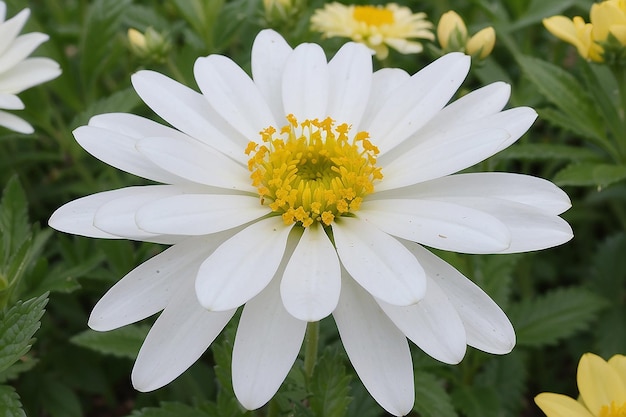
{"x": 377, "y": 27}
{"x": 602, "y": 386}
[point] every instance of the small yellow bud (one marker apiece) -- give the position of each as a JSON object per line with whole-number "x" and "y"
{"x": 281, "y": 11}
{"x": 150, "y": 46}
{"x": 451, "y": 32}
{"x": 481, "y": 44}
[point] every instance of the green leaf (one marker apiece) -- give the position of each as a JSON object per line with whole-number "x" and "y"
{"x": 539, "y": 9}
{"x": 555, "y": 315}
{"x": 509, "y": 374}
{"x": 476, "y": 401}
{"x": 171, "y": 410}
{"x": 546, "y": 151}
{"x": 121, "y": 101}
{"x": 10, "y": 405}
{"x": 59, "y": 399}
{"x": 590, "y": 174}
{"x": 14, "y": 225}
{"x": 565, "y": 92}
{"x": 26, "y": 363}
{"x": 330, "y": 386}
{"x": 123, "y": 342}
{"x": 431, "y": 399}
{"x": 17, "y": 327}
{"x": 100, "y": 28}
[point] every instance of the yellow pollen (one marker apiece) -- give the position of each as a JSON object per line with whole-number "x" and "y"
{"x": 613, "y": 410}
{"x": 373, "y": 16}
{"x": 312, "y": 171}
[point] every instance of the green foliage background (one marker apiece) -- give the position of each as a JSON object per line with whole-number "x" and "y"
{"x": 563, "y": 301}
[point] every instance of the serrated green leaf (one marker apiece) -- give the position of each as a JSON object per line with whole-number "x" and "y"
{"x": 554, "y": 315}
{"x": 123, "y": 342}
{"x": 494, "y": 274}
{"x": 475, "y": 401}
{"x": 330, "y": 386}
{"x": 14, "y": 225}
{"x": 25, "y": 364}
{"x": 171, "y": 410}
{"x": 547, "y": 151}
{"x": 565, "y": 92}
{"x": 10, "y": 405}
{"x": 17, "y": 327}
{"x": 431, "y": 399}
{"x": 509, "y": 374}
{"x": 590, "y": 174}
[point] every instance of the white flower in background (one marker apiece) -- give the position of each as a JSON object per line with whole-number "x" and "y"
{"x": 17, "y": 72}
{"x": 301, "y": 193}
{"x": 378, "y": 27}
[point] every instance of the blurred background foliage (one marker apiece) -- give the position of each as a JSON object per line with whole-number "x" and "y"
{"x": 563, "y": 301}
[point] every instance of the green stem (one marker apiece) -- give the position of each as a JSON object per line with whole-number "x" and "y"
{"x": 310, "y": 348}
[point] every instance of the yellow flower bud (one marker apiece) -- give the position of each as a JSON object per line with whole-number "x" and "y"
{"x": 149, "y": 46}
{"x": 451, "y": 32}
{"x": 481, "y": 44}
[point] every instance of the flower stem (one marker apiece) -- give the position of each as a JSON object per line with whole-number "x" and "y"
{"x": 310, "y": 348}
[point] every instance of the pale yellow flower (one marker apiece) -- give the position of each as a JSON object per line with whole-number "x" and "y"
{"x": 378, "y": 27}
{"x": 453, "y": 37}
{"x": 602, "y": 387}
{"x": 607, "y": 17}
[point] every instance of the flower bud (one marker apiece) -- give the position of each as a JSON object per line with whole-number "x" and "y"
{"x": 481, "y": 44}
{"x": 451, "y": 32}
{"x": 149, "y": 46}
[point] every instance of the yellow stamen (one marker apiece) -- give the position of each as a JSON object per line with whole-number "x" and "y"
{"x": 613, "y": 410}
{"x": 315, "y": 172}
{"x": 374, "y": 16}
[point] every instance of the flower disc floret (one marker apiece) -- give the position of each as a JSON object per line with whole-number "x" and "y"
{"x": 313, "y": 170}
{"x": 374, "y": 16}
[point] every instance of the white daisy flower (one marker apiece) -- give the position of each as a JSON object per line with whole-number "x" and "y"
{"x": 378, "y": 27}
{"x": 305, "y": 191}
{"x": 17, "y": 72}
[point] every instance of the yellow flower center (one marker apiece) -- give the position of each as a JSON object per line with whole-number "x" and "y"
{"x": 313, "y": 171}
{"x": 613, "y": 410}
{"x": 374, "y": 16}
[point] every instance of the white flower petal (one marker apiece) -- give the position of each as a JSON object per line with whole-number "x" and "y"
{"x": 312, "y": 280}
{"x": 433, "y": 324}
{"x": 147, "y": 289}
{"x": 20, "y": 48}
{"x": 453, "y": 148}
{"x": 243, "y": 265}
{"x": 196, "y": 162}
{"x": 385, "y": 81}
{"x": 10, "y": 102}
{"x": 117, "y": 216}
{"x": 178, "y": 338}
{"x": 11, "y": 28}
{"x": 350, "y": 80}
{"x": 378, "y": 351}
{"x": 475, "y": 105}
{"x": 269, "y": 55}
{"x": 531, "y": 229}
{"x": 189, "y": 112}
{"x": 306, "y": 83}
{"x": 15, "y": 123}
{"x": 198, "y": 214}
{"x": 28, "y": 73}
{"x": 233, "y": 95}
{"x": 524, "y": 189}
{"x": 438, "y": 224}
{"x": 119, "y": 151}
{"x": 486, "y": 325}
{"x": 418, "y": 100}
{"x": 378, "y": 262}
{"x": 266, "y": 346}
